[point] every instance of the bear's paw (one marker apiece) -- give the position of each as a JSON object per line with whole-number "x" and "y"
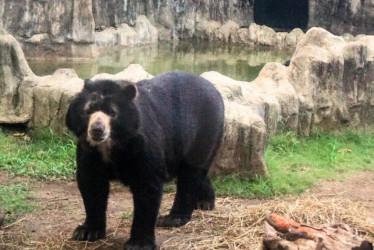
{"x": 82, "y": 233}
{"x": 172, "y": 221}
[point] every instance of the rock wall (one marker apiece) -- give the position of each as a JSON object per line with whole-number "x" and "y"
{"x": 329, "y": 84}
{"x": 343, "y": 16}
{"x": 80, "y": 21}
{"x": 254, "y": 36}
{"x": 75, "y": 20}
{"x": 63, "y": 21}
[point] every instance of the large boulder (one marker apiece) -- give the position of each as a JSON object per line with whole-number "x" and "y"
{"x": 227, "y": 31}
{"x": 316, "y": 72}
{"x": 124, "y": 35}
{"x": 266, "y": 36}
{"x": 273, "y": 80}
{"x": 133, "y": 73}
{"x": 254, "y": 111}
{"x": 358, "y": 82}
{"x": 51, "y": 98}
{"x": 245, "y": 128}
{"x": 16, "y": 82}
{"x": 333, "y": 80}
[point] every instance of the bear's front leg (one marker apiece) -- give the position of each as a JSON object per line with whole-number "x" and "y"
{"x": 95, "y": 198}
{"x": 147, "y": 200}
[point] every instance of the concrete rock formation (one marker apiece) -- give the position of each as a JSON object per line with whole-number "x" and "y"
{"x": 343, "y": 16}
{"x": 124, "y": 35}
{"x": 334, "y": 81}
{"x": 255, "y": 35}
{"x": 16, "y": 82}
{"x": 84, "y": 21}
{"x": 329, "y": 84}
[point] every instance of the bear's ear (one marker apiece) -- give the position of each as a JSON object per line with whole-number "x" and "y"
{"x": 87, "y": 84}
{"x": 129, "y": 91}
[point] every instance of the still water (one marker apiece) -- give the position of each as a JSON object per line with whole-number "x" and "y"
{"x": 238, "y": 62}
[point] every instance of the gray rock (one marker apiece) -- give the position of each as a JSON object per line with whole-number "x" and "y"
{"x": 16, "y": 82}
{"x": 143, "y": 33}
{"x": 82, "y": 30}
{"x": 255, "y": 35}
{"x": 146, "y": 31}
{"x": 75, "y": 20}
{"x": 273, "y": 80}
{"x": 63, "y": 21}
{"x": 38, "y": 38}
{"x": 334, "y": 81}
{"x": 51, "y": 98}
{"x": 227, "y": 32}
{"x": 342, "y": 16}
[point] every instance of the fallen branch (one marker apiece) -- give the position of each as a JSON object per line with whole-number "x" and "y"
{"x": 282, "y": 233}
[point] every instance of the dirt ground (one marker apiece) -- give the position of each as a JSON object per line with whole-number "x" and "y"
{"x": 234, "y": 224}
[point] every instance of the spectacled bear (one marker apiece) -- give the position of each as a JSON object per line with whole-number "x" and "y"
{"x": 143, "y": 135}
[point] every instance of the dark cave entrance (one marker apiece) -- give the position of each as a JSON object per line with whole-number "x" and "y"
{"x": 282, "y": 15}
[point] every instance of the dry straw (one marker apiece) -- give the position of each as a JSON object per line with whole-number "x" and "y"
{"x": 234, "y": 224}
{"x": 238, "y": 224}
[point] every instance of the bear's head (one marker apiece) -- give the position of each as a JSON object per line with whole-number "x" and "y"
{"x": 102, "y": 110}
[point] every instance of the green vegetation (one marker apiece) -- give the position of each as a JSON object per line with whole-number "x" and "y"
{"x": 297, "y": 163}
{"x": 39, "y": 154}
{"x": 13, "y": 200}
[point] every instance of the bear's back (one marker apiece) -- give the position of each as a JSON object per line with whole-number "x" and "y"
{"x": 182, "y": 112}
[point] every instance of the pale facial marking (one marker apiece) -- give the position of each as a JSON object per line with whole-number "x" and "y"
{"x": 98, "y": 130}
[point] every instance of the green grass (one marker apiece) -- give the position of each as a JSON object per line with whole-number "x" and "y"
{"x": 40, "y": 154}
{"x": 294, "y": 163}
{"x": 14, "y": 201}
{"x": 297, "y": 163}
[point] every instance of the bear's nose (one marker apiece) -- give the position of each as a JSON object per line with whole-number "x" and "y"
{"x": 97, "y": 129}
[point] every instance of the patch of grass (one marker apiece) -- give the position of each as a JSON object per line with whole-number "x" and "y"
{"x": 170, "y": 187}
{"x": 127, "y": 215}
{"x": 40, "y": 154}
{"x": 297, "y": 163}
{"x": 13, "y": 199}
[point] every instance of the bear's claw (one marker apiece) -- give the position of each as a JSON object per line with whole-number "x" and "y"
{"x": 205, "y": 205}
{"x": 82, "y": 233}
{"x": 172, "y": 221}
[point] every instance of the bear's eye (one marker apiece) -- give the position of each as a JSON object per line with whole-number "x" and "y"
{"x": 87, "y": 108}
{"x": 96, "y": 97}
{"x": 112, "y": 111}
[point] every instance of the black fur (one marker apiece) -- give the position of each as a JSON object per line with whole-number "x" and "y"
{"x": 169, "y": 126}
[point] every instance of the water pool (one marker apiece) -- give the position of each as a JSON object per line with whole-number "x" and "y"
{"x": 238, "y": 62}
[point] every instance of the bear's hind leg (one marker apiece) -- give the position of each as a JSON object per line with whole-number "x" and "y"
{"x": 186, "y": 199}
{"x": 205, "y": 195}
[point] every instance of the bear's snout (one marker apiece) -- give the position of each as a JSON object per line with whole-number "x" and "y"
{"x": 98, "y": 130}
